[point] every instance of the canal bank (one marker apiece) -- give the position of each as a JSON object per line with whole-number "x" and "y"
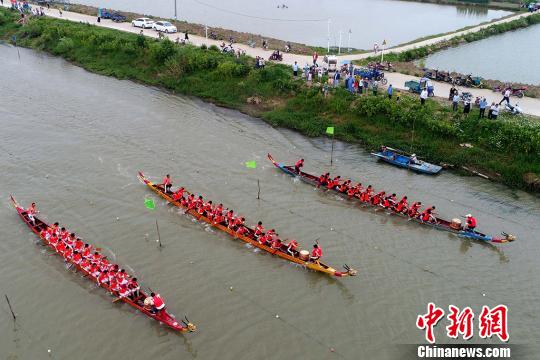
{"x": 506, "y": 150}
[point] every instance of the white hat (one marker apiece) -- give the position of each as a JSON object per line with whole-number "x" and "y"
{"x": 413, "y": 155}
{"x": 468, "y": 215}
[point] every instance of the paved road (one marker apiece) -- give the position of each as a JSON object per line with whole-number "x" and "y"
{"x": 529, "y": 105}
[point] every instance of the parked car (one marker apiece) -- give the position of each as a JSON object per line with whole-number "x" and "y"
{"x": 114, "y": 16}
{"x": 144, "y": 23}
{"x": 164, "y": 26}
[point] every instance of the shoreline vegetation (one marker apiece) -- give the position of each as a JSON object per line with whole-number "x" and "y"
{"x": 507, "y": 149}
{"x": 512, "y": 5}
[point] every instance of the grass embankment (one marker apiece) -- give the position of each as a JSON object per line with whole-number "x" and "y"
{"x": 509, "y": 148}
{"x": 404, "y": 61}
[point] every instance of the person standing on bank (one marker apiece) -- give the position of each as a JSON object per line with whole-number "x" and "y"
{"x": 495, "y": 112}
{"x": 455, "y": 101}
{"x": 506, "y": 97}
{"x": 390, "y": 91}
{"x": 295, "y": 69}
{"x": 423, "y": 96}
{"x": 467, "y": 107}
{"x": 483, "y": 105}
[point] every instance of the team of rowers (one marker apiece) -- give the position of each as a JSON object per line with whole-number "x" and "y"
{"x": 236, "y": 223}
{"x": 97, "y": 266}
{"x": 382, "y": 199}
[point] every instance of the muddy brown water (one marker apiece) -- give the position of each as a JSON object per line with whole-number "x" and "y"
{"x": 73, "y": 142}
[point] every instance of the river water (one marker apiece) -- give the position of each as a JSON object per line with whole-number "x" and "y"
{"x": 477, "y": 58}
{"x": 73, "y": 142}
{"x": 370, "y": 21}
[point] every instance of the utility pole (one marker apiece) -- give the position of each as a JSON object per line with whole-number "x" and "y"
{"x": 339, "y": 49}
{"x": 349, "y": 42}
{"x": 328, "y": 37}
{"x": 175, "y": 14}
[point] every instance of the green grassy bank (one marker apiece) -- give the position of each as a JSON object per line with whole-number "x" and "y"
{"x": 508, "y": 149}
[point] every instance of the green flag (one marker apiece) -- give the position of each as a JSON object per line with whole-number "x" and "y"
{"x": 251, "y": 164}
{"x": 330, "y": 130}
{"x": 149, "y": 203}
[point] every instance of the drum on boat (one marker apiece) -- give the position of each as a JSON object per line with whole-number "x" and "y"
{"x": 304, "y": 255}
{"x": 456, "y": 224}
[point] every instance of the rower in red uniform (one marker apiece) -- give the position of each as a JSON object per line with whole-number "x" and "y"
{"x": 60, "y": 248}
{"x": 377, "y": 198}
{"x": 94, "y": 270}
{"x": 263, "y": 239}
{"x": 53, "y": 240}
{"x": 471, "y": 223}
{"x": 345, "y": 186}
{"x": 316, "y": 253}
{"x": 259, "y": 229}
{"x": 298, "y": 165}
{"x": 68, "y": 253}
{"x": 104, "y": 264}
{"x": 366, "y": 194}
{"x": 354, "y": 190}
{"x": 31, "y": 212}
{"x": 86, "y": 264}
{"x": 218, "y": 218}
{"x": 96, "y": 258}
{"x": 413, "y": 210}
{"x": 134, "y": 288}
{"x": 103, "y": 278}
{"x": 178, "y": 194}
{"x": 206, "y": 209}
{"x": 159, "y": 304}
{"x": 292, "y": 245}
{"x": 427, "y": 215}
{"x": 79, "y": 244}
{"x": 402, "y": 206}
{"x": 238, "y": 223}
{"x": 123, "y": 291}
{"x": 77, "y": 257}
{"x": 70, "y": 240}
{"x": 334, "y": 182}
{"x": 87, "y": 252}
{"x": 167, "y": 185}
{"x": 229, "y": 217}
{"x": 55, "y": 228}
{"x": 276, "y": 244}
{"x": 323, "y": 179}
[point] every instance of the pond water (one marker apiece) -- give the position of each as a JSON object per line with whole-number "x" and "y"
{"x": 370, "y": 21}
{"x": 512, "y": 56}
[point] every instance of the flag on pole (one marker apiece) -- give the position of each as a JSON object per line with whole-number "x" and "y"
{"x": 330, "y": 130}
{"x": 149, "y": 203}
{"x": 251, "y": 164}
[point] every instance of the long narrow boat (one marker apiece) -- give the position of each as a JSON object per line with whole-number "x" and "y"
{"x": 400, "y": 159}
{"x": 162, "y": 316}
{"x": 250, "y": 238}
{"x": 441, "y": 224}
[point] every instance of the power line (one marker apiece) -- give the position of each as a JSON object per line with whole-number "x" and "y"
{"x": 257, "y": 17}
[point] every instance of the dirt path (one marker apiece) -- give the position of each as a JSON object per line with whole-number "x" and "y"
{"x": 529, "y": 105}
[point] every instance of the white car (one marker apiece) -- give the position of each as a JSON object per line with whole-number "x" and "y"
{"x": 165, "y": 26}
{"x": 144, "y": 23}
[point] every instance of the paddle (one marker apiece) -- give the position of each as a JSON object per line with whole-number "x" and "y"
{"x": 117, "y": 299}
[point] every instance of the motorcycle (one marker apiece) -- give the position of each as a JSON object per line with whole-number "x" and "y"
{"x": 386, "y": 66}
{"x": 466, "y": 96}
{"x": 276, "y": 55}
{"x": 513, "y": 109}
{"x": 472, "y": 82}
{"x": 519, "y": 92}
